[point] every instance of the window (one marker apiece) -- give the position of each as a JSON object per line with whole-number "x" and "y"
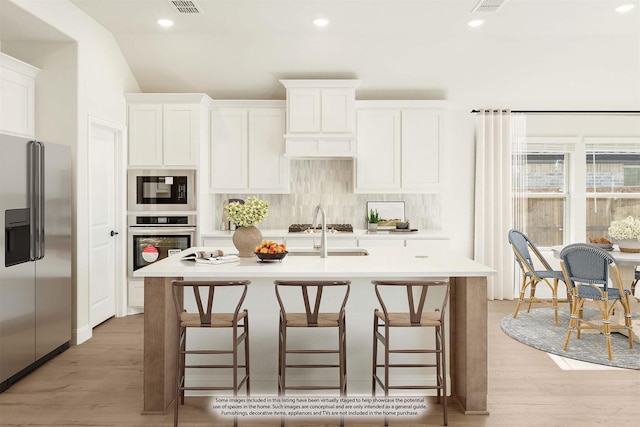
{"x": 612, "y": 187}
{"x": 570, "y": 189}
{"x": 543, "y": 196}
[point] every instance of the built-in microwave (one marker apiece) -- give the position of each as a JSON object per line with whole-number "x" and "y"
{"x": 161, "y": 190}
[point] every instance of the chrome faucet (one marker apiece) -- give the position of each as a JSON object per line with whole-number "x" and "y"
{"x": 323, "y": 236}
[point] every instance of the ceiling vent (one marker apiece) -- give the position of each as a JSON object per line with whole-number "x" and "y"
{"x": 184, "y": 6}
{"x": 488, "y": 5}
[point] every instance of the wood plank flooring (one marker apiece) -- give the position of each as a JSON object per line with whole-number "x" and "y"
{"x": 99, "y": 383}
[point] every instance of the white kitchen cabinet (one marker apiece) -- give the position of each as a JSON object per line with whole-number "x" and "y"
{"x": 399, "y": 146}
{"x": 303, "y": 110}
{"x": 382, "y": 241}
{"x": 166, "y": 129}
{"x": 247, "y": 148}
{"x": 379, "y": 149}
{"x": 309, "y": 241}
{"x": 145, "y": 134}
{"x": 135, "y": 290}
{"x": 429, "y": 244}
{"x": 320, "y": 118}
{"x": 218, "y": 242}
{"x": 17, "y": 97}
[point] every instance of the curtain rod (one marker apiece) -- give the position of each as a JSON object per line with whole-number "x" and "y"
{"x": 630, "y": 112}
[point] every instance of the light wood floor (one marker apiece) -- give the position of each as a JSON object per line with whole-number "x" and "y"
{"x": 99, "y": 383}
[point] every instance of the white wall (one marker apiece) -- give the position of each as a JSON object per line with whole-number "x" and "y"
{"x": 102, "y": 76}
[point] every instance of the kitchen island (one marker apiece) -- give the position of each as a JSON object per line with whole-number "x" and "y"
{"x": 467, "y": 314}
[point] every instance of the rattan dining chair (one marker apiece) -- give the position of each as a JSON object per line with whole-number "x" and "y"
{"x": 523, "y": 247}
{"x": 635, "y": 282}
{"x": 587, "y": 269}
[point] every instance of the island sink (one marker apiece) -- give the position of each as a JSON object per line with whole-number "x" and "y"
{"x": 330, "y": 252}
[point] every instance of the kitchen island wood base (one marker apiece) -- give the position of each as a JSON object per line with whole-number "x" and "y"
{"x": 468, "y": 338}
{"x": 160, "y": 344}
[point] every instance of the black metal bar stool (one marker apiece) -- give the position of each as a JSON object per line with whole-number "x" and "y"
{"x": 206, "y": 317}
{"x": 415, "y": 317}
{"x": 314, "y": 316}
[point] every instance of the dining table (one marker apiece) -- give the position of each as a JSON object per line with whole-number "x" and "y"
{"x": 627, "y": 263}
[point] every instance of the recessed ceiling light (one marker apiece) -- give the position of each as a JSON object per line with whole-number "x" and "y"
{"x": 320, "y": 22}
{"x": 475, "y": 23}
{"x": 624, "y": 8}
{"x": 165, "y": 23}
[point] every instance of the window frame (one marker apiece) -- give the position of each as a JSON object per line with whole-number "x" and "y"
{"x": 575, "y": 149}
{"x": 608, "y": 145}
{"x": 563, "y": 146}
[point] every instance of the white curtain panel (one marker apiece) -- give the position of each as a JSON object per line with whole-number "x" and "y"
{"x": 495, "y": 131}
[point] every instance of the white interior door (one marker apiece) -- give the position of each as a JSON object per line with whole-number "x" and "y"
{"x": 103, "y": 241}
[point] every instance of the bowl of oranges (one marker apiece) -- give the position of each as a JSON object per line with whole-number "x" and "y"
{"x": 271, "y": 251}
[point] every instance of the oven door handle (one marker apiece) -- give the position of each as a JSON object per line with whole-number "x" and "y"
{"x": 160, "y": 230}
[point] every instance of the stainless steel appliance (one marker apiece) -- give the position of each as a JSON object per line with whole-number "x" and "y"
{"x": 35, "y": 277}
{"x": 154, "y": 237}
{"x": 161, "y": 190}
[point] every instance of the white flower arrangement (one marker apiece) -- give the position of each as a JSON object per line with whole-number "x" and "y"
{"x": 628, "y": 228}
{"x": 253, "y": 211}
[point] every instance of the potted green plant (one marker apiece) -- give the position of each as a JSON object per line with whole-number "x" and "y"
{"x": 372, "y": 220}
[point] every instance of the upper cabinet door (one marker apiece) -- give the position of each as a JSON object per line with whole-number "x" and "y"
{"x": 378, "y": 162}
{"x": 338, "y": 110}
{"x": 181, "y": 127}
{"x": 304, "y": 110}
{"x": 421, "y": 151}
{"x": 268, "y": 168}
{"x": 229, "y": 145}
{"x": 145, "y": 135}
{"x": 17, "y": 97}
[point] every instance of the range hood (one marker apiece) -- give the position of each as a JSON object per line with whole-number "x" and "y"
{"x": 321, "y": 118}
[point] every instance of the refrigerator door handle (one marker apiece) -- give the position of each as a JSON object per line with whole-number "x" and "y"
{"x": 33, "y": 199}
{"x": 41, "y": 233}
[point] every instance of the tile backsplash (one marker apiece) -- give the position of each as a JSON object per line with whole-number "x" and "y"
{"x": 330, "y": 182}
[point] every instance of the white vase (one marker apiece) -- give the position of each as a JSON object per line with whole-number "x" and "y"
{"x": 628, "y": 245}
{"x": 245, "y": 239}
{"x": 373, "y": 228}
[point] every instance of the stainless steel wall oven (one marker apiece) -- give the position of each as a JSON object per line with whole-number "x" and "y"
{"x": 153, "y": 237}
{"x": 161, "y": 190}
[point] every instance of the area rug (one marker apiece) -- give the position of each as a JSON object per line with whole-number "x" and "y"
{"x": 537, "y": 329}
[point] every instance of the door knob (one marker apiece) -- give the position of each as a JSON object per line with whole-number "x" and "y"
{"x": 113, "y": 233}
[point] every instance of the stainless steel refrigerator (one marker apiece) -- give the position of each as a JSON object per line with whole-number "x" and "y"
{"x": 35, "y": 277}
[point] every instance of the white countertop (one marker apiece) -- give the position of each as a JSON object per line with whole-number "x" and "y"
{"x": 279, "y": 233}
{"x": 380, "y": 263}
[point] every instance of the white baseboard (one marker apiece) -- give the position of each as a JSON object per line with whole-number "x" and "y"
{"x": 134, "y": 310}
{"x": 80, "y": 335}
